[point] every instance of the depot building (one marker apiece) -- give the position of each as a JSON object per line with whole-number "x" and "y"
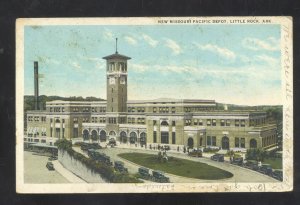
{"x": 173, "y": 122}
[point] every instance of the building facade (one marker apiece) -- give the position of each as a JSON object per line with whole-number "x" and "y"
{"x": 173, "y": 122}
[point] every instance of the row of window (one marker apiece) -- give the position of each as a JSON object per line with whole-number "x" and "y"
{"x": 133, "y": 121}
{"x": 164, "y": 109}
{"x": 213, "y": 122}
{"x": 137, "y": 109}
{"x": 57, "y": 109}
{"x": 101, "y": 109}
{"x": 164, "y": 123}
{"x": 36, "y": 119}
{"x": 117, "y": 67}
{"x": 101, "y": 119}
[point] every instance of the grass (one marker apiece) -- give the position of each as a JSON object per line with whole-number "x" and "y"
{"x": 276, "y": 163}
{"x": 176, "y": 166}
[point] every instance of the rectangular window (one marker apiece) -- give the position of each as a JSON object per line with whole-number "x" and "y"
{"x": 208, "y": 142}
{"x": 237, "y": 123}
{"x": 173, "y": 109}
{"x": 214, "y": 122}
{"x": 200, "y": 122}
{"x": 154, "y": 122}
{"x": 173, "y": 137}
{"x": 154, "y": 109}
{"x": 213, "y": 141}
{"x": 242, "y": 142}
{"x": 227, "y": 123}
{"x": 195, "y": 122}
{"x": 242, "y": 123}
{"x": 173, "y": 123}
{"x": 223, "y": 123}
{"x": 208, "y": 122}
{"x": 164, "y": 137}
{"x": 237, "y": 142}
{"x": 154, "y": 136}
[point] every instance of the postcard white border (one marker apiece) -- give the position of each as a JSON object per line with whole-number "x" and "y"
{"x": 287, "y": 93}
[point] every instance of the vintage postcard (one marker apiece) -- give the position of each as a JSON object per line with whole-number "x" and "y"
{"x": 161, "y": 104}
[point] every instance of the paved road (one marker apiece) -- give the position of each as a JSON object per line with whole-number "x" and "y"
{"x": 240, "y": 174}
{"x": 35, "y": 170}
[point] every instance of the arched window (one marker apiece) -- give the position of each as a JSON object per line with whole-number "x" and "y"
{"x": 94, "y": 135}
{"x": 143, "y": 138}
{"x": 85, "y": 135}
{"x": 123, "y": 137}
{"x": 112, "y": 133}
{"x": 253, "y": 143}
{"x": 132, "y": 138}
{"x": 164, "y": 123}
{"x": 190, "y": 142}
{"x": 102, "y": 136}
{"x": 225, "y": 142}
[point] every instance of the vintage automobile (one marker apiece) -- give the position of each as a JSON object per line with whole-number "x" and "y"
{"x": 52, "y": 158}
{"x": 112, "y": 142}
{"x": 218, "y": 157}
{"x": 95, "y": 146}
{"x": 159, "y": 176}
{"x": 50, "y": 166}
{"x": 119, "y": 166}
{"x": 195, "y": 153}
{"x": 277, "y": 174}
{"x": 251, "y": 164}
{"x": 91, "y": 153}
{"x": 266, "y": 169}
{"x": 237, "y": 161}
{"x": 144, "y": 173}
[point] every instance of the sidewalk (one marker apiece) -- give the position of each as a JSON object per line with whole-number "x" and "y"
{"x": 66, "y": 173}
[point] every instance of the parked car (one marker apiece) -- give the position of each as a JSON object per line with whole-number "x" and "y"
{"x": 195, "y": 153}
{"x": 144, "y": 173}
{"x": 277, "y": 174}
{"x": 119, "y": 166}
{"x": 50, "y": 166}
{"x": 218, "y": 157}
{"x": 159, "y": 176}
{"x": 251, "y": 164}
{"x": 266, "y": 169}
{"x": 95, "y": 146}
{"x": 52, "y": 158}
{"x": 237, "y": 161}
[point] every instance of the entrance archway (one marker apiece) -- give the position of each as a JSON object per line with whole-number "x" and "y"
{"x": 143, "y": 138}
{"x": 123, "y": 137}
{"x": 190, "y": 142}
{"x": 94, "y": 135}
{"x": 225, "y": 142}
{"x": 132, "y": 137}
{"x": 102, "y": 136}
{"x": 85, "y": 135}
{"x": 253, "y": 143}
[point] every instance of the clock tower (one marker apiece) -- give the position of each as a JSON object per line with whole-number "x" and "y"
{"x": 116, "y": 75}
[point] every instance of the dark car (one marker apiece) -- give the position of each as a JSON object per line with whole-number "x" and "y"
{"x": 277, "y": 174}
{"x": 119, "y": 166}
{"x": 266, "y": 169}
{"x": 251, "y": 164}
{"x": 218, "y": 157}
{"x": 159, "y": 176}
{"x": 50, "y": 166}
{"x": 52, "y": 158}
{"x": 237, "y": 161}
{"x": 195, "y": 153}
{"x": 144, "y": 173}
{"x": 95, "y": 146}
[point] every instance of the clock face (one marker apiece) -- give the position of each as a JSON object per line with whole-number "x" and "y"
{"x": 123, "y": 80}
{"x": 112, "y": 80}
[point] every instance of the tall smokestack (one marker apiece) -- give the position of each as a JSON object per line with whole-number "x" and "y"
{"x": 36, "y": 85}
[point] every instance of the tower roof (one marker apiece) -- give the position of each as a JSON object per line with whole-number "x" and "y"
{"x": 116, "y": 56}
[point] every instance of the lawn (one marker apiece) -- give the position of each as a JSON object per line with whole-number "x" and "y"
{"x": 276, "y": 163}
{"x": 176, "y": 166}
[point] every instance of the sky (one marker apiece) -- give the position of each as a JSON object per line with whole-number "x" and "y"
{"x": 234, "y": 64}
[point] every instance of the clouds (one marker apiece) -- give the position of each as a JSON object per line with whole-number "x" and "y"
{"x": 130, "y": 40}
{"x": 150, "y": 40}
{"x": 270, "y": 44}
{"x": 222, "y": 52}
{"x": 173, "y": 45}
